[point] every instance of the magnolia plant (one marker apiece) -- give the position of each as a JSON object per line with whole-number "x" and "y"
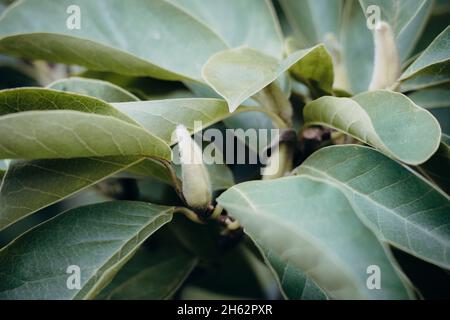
{"x": 101, "y": 97}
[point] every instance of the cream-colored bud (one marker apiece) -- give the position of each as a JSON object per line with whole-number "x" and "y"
{"x": 196, "y": 185}
{"x": 387, "y": 62}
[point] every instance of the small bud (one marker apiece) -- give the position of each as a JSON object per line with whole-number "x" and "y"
{"x": 196, "y": 186}
{"x": 387, "y": 62}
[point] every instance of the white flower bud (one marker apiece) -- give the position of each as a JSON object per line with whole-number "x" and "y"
{"x": 387, "y": 62}
{"x": 196, "y": 186}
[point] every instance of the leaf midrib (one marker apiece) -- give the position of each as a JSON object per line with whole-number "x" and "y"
{"x": 330, "y": 255}
{"x": 162, "y": 217}
{"x": 404, "y": 219}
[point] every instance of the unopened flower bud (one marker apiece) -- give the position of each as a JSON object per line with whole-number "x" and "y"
{"x": 196, "y": 186}
{"x": 387, "y": 62}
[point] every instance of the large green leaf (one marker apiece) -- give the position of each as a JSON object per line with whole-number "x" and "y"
{"x": 313, "y": 21}
{"x": 405, "y": 209}
{"x": 432, "y": 98}
{"x": 437, "y": 168}
{"x": 140, "y": 38}
{"x": 152, "y": 274}
{"x": 162, "y": 116}
{"x": 145, "y": 88}
{"x": 238, "y": 74}
{"x": 24, "y": 191}
{"x": 432, "y": 67}
{"x": 31, "y": 185}
{"x": 406, "y": 18}
{"x": 315, "y": 70}
{"x": 356, "y": 47}
{"x": 94, "y": 88}
{"x": 295, "y": 285}
{"x": 437, "y": 22}
{"x": 221, "y": 176}
{"x": 311, "y": 226}
{"x": 250, "y": 23}
{"x": 386, "y": 120}
{"x": 98, "y": 239}
{"x": 40, "y": 99}
{"x": 66, "y": 134}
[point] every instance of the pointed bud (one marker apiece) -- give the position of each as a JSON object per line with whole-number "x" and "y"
{"x": 196, "y": 186}
{"x": 387, "y": 62}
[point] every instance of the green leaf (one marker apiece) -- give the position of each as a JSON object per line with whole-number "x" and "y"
{"x": 66, "y": 134}
{"x": 221, "y": 176}
{"x": 162, "y": 116}
{"x": 294, "y": 284}
{"x": 313, "y": 20}
{"x": 432, "y": 67}
{"x": 304, "y": 235}
{"x": 143, "y": 38}
{"x": 432, "y": 98}
{"x": 98, "y": 239}
{"x": 401, "y": 206}
{"x": 437, "y": 167}
{"x": 356, "y": 48}
{"x": 238, "y": 74}
{"x": 238, "y": 277}
{"x": 437, "y": 22}
{"x": 247, "y": 120}
{"x": 316, "y": 70}
{"x": 151, "y": 274}
{"x": 409, "y": 133}
{"x": 31, "y": 185}
{"x": 406, "y": 18}
{"x": 250, "y": 23}
{"x": 145, "y": 88}
{"x": 94, "y": 88}
{"x": 40, "y": 99}
{"x": 24, "y": 191}
{"x": 152, "y": 168}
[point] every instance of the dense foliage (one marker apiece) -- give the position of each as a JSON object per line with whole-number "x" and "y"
{"x": 108, "y": 196}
